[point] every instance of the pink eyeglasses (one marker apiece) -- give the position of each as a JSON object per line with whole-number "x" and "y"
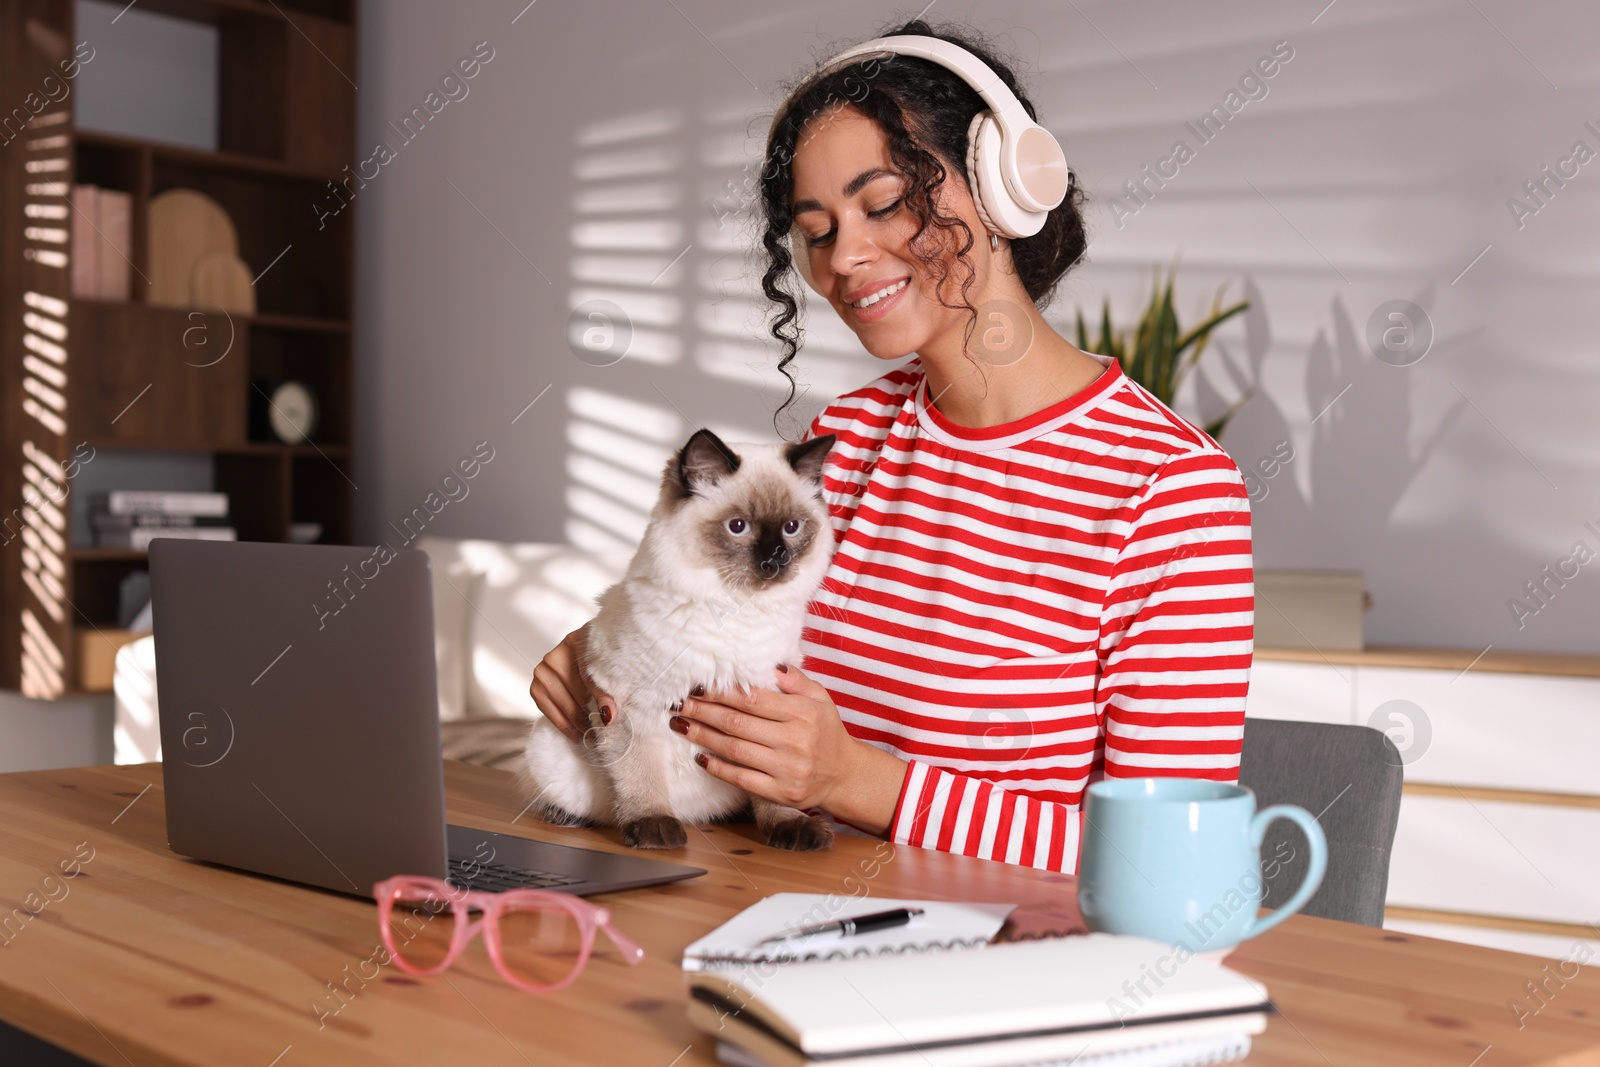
{"x": 538, "y": 940}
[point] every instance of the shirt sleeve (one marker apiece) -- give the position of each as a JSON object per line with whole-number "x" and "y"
{"x": 1177, "y": 630}
{"x": 1175, "y": 643}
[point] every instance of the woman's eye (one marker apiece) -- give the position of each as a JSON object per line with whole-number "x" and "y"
{"x": 886, "y": 210}
{"x": 813, "y": 242}
{"x": 737, "y": 526}
{"x": 791, "y": 527}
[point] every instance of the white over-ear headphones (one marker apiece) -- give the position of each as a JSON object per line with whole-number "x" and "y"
{"x": 1016, "y": 167}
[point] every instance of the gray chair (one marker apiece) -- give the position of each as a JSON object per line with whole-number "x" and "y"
{"x": 1350, "y": 776}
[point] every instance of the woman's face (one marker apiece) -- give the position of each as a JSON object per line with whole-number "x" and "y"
{"x": 855, "y": 233}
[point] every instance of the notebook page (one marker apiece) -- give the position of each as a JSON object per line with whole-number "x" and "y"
{"x": 943, "y": 924}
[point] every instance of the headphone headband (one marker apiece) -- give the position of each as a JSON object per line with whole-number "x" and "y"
{"x": 1007, "y": 109}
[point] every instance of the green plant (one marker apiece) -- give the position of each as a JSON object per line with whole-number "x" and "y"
{"x": 1157, "y": 353}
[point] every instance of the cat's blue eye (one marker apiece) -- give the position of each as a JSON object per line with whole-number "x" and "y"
{"x": 791, "y": 527}
{"x": 736, "y": 526}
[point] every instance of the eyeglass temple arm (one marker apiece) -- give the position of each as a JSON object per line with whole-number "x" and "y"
{"x": 630, "y": 949}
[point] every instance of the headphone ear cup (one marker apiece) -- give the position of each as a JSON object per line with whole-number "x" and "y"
{"x": 997, "y": 208}
{"x": 974, "y": 172}
{"x": 802, "y": 259}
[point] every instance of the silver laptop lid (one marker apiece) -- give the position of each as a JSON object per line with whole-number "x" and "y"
{"x": 299, "y": 710}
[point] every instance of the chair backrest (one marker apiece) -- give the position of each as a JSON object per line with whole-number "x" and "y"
{"x": 1348, "y": 776}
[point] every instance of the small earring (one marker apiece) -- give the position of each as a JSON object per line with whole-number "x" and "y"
{"x": 994, "y": 242}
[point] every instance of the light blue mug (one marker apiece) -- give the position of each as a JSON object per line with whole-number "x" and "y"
{"x": 1178, "y": 860}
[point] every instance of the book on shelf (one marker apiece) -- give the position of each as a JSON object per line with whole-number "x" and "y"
{"x": 161, "y": 502}
{"x": 139, "y": 537}
{"x": 132, "y": 518}
{"x": 106, "y": 523}
{"x": 102, "y": 242}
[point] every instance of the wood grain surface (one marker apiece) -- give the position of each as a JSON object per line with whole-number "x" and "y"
{"x": 151, "y": 960}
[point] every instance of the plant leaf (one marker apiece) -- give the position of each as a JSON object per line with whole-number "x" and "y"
{"x": 1219, "y": 424}
{"x": 1166, "y": 346}
{"x": 1108, "y": 339}
{"x": 1200, "y": 336}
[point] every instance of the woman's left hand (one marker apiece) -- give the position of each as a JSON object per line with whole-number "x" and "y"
{"x": 789, "y": 746}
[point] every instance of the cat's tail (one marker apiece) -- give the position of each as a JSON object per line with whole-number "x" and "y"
{"x": 562, "y": 786}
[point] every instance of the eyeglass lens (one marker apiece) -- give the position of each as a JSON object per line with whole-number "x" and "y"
{"x": 541, "y": 945}
{"x": 423, "y": 924}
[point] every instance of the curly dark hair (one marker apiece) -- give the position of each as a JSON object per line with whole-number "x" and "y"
{"x": 924, "y": 111}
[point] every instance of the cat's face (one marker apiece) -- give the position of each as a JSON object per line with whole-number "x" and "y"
{"x": 751, "y": 513}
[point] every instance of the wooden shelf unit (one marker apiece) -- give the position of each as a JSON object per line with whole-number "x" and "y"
{"x": 82, "y": 377}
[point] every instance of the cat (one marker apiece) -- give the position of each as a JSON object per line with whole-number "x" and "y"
{"x": 715, "y": 596}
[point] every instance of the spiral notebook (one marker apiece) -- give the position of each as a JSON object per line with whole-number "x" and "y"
{"x": 1197, "y": 1052}
{"x": 1049, "y": 1001}
{"x": 943, "y": 924}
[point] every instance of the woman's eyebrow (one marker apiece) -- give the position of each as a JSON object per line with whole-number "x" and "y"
{"x": 851, "y": 188}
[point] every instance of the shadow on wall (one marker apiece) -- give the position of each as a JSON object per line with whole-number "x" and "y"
{"x": 1360, "y": 456}
{"x": 1363, "y": 454}
{"x": 665, "y": 305}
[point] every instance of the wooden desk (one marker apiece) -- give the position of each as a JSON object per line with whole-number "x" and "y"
{"x": 153, "y": 960}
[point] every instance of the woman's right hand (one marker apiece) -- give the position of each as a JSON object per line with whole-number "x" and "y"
{"x": 561, "y": 689}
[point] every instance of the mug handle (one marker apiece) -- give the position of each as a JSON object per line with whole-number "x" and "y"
{"x": 1319, "y": 861}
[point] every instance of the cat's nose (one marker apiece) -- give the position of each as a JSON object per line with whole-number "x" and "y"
{"x": 774, "y": 562}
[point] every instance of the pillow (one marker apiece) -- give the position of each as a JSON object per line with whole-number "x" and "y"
{"x": 137, "y": 731}
{"x": 457, "y": 588}
{"x": 533, "y": 594}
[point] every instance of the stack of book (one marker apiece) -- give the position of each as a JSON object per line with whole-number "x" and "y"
{"x": 102, "y": 243}
{"x": 931, "y": 993}
{"x": 132, "y": 518}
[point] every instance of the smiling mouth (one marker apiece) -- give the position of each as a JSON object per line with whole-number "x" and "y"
{"x": 882, "y": 294}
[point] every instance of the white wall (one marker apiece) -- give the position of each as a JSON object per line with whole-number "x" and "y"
{"x": 1377, "y": 167}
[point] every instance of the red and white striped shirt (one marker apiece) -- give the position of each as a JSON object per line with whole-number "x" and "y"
{"x": 1019, "y": 610}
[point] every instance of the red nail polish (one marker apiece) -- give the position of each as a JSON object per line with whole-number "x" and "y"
{"x": 783, "y": 668}
{"x": 679, "y": 724}
{"x": 700, "y": 758}
{"x": 698, "y": 691}
{"x": 605, "y": 714}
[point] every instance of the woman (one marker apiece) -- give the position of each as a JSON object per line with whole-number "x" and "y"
{"x": 1043, "y": 574}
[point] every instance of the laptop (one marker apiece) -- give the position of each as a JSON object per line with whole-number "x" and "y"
{"x": 300, "y": 726}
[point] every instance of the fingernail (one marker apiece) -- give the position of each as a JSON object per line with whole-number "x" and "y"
{"x": 679, "y": 724}
{"x": 783, "y": 668}
{"x": 676, "y": 707}
{"x": 698, "y": 691}
{"x": 700, "y": 758}
{"x": 605, "y": 714}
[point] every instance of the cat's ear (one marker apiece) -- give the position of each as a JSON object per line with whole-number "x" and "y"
{"x": 807, "y": 457}
{"x": 704, "y": 461}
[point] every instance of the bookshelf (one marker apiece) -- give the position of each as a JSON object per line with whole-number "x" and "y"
{"x": 86, "y": 377}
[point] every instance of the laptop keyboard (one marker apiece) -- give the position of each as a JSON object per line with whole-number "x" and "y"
{"x": 497, "y": 878}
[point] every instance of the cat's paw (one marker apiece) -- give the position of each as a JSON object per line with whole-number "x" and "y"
{"x": 807, "y": 834}
{"x": 559, "y": 816}
{"x": 655, "y": 831}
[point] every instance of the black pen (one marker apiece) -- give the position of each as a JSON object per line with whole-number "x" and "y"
{"x": 861, "y": 924}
